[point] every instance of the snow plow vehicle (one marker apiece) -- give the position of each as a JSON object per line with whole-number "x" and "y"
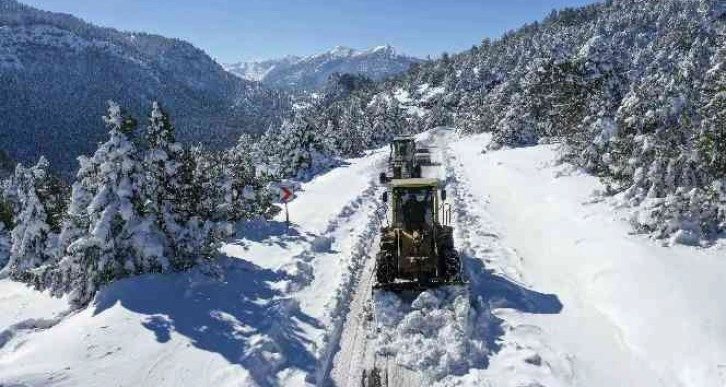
{"x": 417, "y": 248}
{"x": 402, "y": 162}
{"x": 423, "y": 157}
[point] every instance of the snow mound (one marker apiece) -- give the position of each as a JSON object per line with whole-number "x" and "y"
{"x": 429, "y": 334}
{"x": 321, "y": 244}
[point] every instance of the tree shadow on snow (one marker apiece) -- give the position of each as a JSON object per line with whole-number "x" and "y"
{"x": 267, "y": 232}
{"x": 309, "y": 176}
{"x": 489, "y": 291}
{"x": 242, "y": 317}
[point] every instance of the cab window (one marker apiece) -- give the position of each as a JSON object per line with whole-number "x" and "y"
{"x": 414, "y": 208}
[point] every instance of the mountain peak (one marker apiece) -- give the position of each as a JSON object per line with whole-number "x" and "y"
{"x": 344, "y": 52}
{"x": 385, "y": 49}
{"x": 341, "y": 51}
{"x": 313, "y": 71}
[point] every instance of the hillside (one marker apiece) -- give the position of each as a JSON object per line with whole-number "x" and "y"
{"x": 584, "y": 164}
{"x": 632, "y": 90}
{"x": 312, "y": 72}
{"x": 57, "y": 72}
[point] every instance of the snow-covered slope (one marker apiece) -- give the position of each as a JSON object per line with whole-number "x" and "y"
{"x": 57, "y": 72}
{"x": 312, "y": 72}
{"x": 559, "y": 294}
{"x": 635, "y": 313}
{"x": 257, "y": 71}
{"x": 272, "y": 319}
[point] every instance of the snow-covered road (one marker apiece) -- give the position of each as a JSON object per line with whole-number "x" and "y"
{"x": 446, "y": 336}
{"x": 559, "y": 294}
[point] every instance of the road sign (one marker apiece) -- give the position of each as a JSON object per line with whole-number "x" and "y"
{"x": 286, "y": 194}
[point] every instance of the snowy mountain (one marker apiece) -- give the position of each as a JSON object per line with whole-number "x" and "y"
{"x": 633, "y": 90}
{"x": 258, "y": 71}
{"x": 312, "y": 72}
{"x": 57, "y": 72}
{"x": 555, "y": 143}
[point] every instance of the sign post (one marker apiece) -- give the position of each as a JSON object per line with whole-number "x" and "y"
{"x": 286, "y": 194}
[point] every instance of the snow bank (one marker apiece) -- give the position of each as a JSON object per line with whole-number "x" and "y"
{"x": 635, "y": 312}
{"x": 18, "y": 303}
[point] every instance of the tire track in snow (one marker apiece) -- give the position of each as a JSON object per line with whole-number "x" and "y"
{"x": 359, "y": 264}
{"x": 355, "y": 352}
{"x": 25, "y": 327}
{"x": 369, "y": 345}
{"x": 360, "y": 340}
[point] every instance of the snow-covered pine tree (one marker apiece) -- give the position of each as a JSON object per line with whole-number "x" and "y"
{"x": 437, "y": 116}
{"x": 5, "y": 244}
{"x": 711, "y": 141}
{"x": 33, "y": 242}
{"x": 305, "y": 149}
{"x": 209, "y": 176}
{"x": 198, "y": 225}
{"x": 517, "y": 127}
{"x": 246, "y": 186}
{"x": 351, "y": 135}
{"x": 162, "y": 187}
{"x": 161, "y": 163}
{"x": 380, "y": 131}
{"x": 7, "y": 211}
{"x": 268, "y": 149}
{"x": 52, "y": 192}
{"x": 632, "y": 148}
{"x": 119, "y": 240}
{"x": 395, "y": 121}
{"x": 298, "y": 149}
{"x": 77, "y": 221}
{"x": 190, "y": 191}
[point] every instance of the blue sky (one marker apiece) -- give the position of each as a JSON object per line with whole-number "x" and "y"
{"x": 233, "y": 30}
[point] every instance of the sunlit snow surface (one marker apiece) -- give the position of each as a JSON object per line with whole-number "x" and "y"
{"x": 559, "y": 294}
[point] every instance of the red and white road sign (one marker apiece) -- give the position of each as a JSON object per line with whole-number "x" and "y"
{"x": 285, "y": 194}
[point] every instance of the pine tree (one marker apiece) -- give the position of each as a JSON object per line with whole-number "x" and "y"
{"x": 517, "y": 128}
{"x": 77, "y": 221}
{"x": 712, "y": 137}
{"x": 247, "y": 186}
{"x": 119, "y": 240}
{"x": 6, "y": 210}
{"x": 5, "y": 245}
{"x": 52, "y": 192}
{"x": 32, "y": 240}
{"x": 199, "y": 221}
{"x": 161, "y": 186}
{"x": 161, "y": 162}
{"x": 306, "y": 152}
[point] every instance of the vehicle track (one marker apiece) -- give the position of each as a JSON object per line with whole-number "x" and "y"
{"x": 348, "y": 305}
{"x": 356, "y": 355}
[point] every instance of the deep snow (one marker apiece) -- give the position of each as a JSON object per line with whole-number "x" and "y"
{"x": 271, "y": 320}
{"x": 635, "y": 312}
{"x": 559, "y": 294}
